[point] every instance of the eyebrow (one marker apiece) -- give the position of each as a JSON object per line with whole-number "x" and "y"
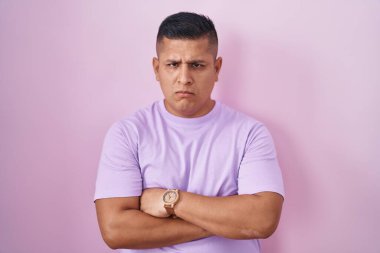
{"x": 188, "y": 62}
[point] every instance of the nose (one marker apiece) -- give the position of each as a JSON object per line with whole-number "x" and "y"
{"x": 184, "y": 75}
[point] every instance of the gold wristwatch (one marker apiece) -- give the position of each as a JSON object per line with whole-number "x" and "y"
{"x": 170, "y": 197}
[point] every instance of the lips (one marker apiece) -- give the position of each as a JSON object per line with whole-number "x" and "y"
{"x": 184, "y": 93}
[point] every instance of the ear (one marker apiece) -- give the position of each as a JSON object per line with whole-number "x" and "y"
{"x": 217, "y": 66}
{"x": 156, "y": 65}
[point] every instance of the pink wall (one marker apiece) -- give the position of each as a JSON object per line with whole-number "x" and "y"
{"x": 308, "y": 69}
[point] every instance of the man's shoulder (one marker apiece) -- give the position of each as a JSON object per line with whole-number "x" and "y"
{"x": 137, "y": 120}
{"x": 140, "y": 117}
{"x": 234, "y": 116}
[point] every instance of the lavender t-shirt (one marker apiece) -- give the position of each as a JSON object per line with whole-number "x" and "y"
{"x": 222, "y": 153}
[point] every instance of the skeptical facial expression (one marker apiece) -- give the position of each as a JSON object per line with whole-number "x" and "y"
{"x": 187, "y": 71}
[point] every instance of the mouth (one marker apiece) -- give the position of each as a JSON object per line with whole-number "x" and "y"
{"x": 184, "y": 94}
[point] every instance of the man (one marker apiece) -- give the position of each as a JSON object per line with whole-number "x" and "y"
{"x": 188, "y": 174}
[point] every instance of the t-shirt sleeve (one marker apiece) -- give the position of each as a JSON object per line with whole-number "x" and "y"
{"x": 259, "y": 169}
{"x": 119, "y": 172}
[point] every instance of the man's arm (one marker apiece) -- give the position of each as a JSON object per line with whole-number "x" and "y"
{"x": 123, "y": 225}
{"x": 235, "y": 217}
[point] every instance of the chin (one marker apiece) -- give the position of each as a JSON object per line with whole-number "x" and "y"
{"x": 187, "y": 111}
{"x": 183, "y": 108}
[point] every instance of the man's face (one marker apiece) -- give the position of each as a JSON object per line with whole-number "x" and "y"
{"x": 187, "y": 71}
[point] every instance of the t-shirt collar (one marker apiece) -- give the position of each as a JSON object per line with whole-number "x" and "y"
{"x": 188, "y": 121}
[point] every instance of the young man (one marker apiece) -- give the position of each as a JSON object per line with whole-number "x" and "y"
{"x": 188, "y": 174}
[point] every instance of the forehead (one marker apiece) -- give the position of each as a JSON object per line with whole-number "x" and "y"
{"x": 184, "y": 48}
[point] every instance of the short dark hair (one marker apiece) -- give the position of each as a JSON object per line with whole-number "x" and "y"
{"x": 187, "y": 25}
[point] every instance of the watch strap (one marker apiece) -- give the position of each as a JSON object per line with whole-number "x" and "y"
{"x": 169, "y": 209}
{"x": 170, "y": 206}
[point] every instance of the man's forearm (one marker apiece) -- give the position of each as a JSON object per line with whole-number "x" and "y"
{"x": 237, "y": 217}
{"x": 136, "y": 230}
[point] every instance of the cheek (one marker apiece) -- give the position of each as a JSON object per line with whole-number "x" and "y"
{"x": 209, "y": 82}
{"x": 166, "y": 87}
{"x": 167, "y": 78}
{"x": 208, "y": 76}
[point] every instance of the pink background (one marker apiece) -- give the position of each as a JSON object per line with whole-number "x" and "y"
{"x": 308, "y": 69}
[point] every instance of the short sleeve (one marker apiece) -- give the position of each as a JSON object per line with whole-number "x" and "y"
{"x": 259, "y": 169}
{"x": 119, "y": 172}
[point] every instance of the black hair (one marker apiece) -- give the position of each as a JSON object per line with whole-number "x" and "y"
{"x": 187, "y": 25}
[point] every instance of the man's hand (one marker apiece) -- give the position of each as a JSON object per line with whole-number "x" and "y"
{"x": 245, "y": 216}
{"x": 123, "y": 226}
{"x": 151, "y": 202}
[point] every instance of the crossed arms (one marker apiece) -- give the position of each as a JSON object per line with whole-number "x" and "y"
{"x": 142, "y": 222}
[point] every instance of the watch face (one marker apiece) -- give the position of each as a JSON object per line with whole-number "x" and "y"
{"x": 170, "y": 196}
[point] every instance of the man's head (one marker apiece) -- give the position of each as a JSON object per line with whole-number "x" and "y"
{"x": 188, "y": 26}
{"x": 186, "y": 65}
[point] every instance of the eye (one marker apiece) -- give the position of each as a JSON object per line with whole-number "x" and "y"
{"x": 196, "y": 65}
{"x": 172, "y": 64}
